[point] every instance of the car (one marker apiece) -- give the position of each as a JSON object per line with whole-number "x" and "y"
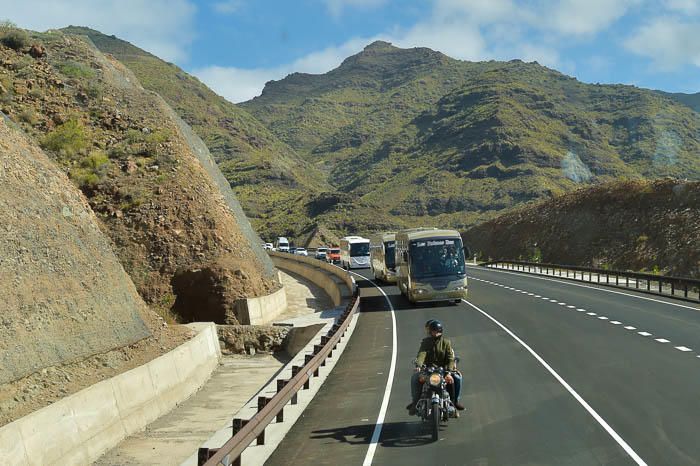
{"x": 301, "y": 252}
{"x": 291, "y": 250}
{"x": 333, "y": 255}
{"x": 267, "y": 246}
{"x": 321, "y": 253}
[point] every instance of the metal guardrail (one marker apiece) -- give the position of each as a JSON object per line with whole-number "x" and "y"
{"x": 245, "y": 431}
{"x": 676, "y": 287}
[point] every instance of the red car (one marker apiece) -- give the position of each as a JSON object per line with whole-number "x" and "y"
{"x": 333, "y": 255}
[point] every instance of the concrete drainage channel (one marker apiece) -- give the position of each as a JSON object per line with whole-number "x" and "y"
{"x": 258, "y": 428}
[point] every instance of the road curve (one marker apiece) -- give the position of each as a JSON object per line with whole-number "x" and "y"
{"x": 555, "y": 374}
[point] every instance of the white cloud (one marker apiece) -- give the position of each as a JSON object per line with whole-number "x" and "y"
{"x": 227, "y": 7}
{"x": 669, "y": 42}
{"x": 162, "y": 27}
{"x": 582, "y": 17}
{"x": 688, "y": 7}
{"x": 236, "y": 84}
{"x": 336, "y": 7}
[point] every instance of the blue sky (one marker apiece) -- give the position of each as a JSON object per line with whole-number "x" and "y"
{"x": 235, "y": 46}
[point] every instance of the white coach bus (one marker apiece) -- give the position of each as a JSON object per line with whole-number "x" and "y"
{"x": 430, "y": 265}
{"x": 354, "y": 252}
{"x": 382, "y": 258}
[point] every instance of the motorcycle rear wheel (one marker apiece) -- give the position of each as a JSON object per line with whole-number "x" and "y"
{"x": 436, "y": 415}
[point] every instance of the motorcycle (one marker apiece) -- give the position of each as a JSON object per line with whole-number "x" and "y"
{"x": 434, "y": 405}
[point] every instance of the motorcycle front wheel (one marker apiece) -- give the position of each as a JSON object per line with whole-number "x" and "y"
{"x": 436, "y": 420}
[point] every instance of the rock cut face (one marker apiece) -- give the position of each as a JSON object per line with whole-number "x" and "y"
{"x": 65, "y": 296}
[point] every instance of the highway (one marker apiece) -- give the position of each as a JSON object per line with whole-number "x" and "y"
{"x": 555, "y": 373}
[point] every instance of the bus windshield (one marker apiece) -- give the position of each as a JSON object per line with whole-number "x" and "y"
{"x": 359, "y": 249}
{"x": 389, "y": 254}
{"x": 437, "y": 257}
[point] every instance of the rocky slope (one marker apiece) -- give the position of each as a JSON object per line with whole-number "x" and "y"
{"x": 145, "y": 173}
{"x": 266, "y": 174}
{"x": 416, "y": 137}
{"x": 624, "y": 225}
{"x": 65, "y": 296}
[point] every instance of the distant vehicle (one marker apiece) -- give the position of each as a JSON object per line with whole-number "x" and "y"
{"x": 333, "y": 255}
{"x": 430, "y": 265}
{"x": 321, "y": 253}
{"x": 292, "y": 250}
{"x": 382, "y": 257}
{"x": 301, "y": 252}
{"x": 354, "y": 252}
{"x": 282, "y": 244}
{"x": 268, "y": 246}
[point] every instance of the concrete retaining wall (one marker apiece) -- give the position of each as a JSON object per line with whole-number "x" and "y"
{"x": 261, "y": 310}
{"x": 317, "y": 271}
{"x": 78, "y": 429}
{"x": 323, "y": 265}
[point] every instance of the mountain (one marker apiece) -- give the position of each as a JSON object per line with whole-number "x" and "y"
{"x": 176, "y": 227}
{"x": 267, "y": 175}
{"x": 691, "y": 100}
{"x": 424, "y": 139}
{"x": 622, "y": 225}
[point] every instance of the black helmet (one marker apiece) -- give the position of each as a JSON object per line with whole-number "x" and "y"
{"x": 435, "y": 326}
{"x": 428, "y": 322}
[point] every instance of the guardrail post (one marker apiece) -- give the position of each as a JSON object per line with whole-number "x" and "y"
{"x": 673, "y": 288}
{"x": 685, "y": 290}
{"x": 237, "y": 425}
{"x": 317, "y": 349}
{"x": 295, "y": 371}
{"x": 617, "y": 280}
{"x": 648, "y": 285}
{"x": 203, "y": 455}
{"x": 607, "y": 278}
{"x": 307, "y": 359}
{"x": 660, "y": 286}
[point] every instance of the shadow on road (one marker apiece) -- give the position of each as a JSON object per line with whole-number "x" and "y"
{"x": 394, "y": 434}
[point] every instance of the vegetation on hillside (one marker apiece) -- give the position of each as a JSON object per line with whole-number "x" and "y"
{"x": 635, "y": 225}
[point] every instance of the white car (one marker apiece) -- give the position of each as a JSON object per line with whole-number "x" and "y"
{"x": 268, "y": 246}
{"x": 321, "y": 253}
{"x": 301, "y": 252}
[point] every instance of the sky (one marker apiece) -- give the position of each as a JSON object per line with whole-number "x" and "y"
{"x": 235, "y": 46}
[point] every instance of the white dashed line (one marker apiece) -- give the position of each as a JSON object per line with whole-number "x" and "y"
{"x": 591, "y": 313}
{"x": 683, "y": 348}
{"x": 644, "y": 334}
{"x": 603, "y": 318}
{"x": 562, "y": 304}
{"x": 629, "y": 327}
{"x": 580, "y": 309}
{"x": 552, "y": 300}
{"x": 662, "y": 340}
{"x": 615, "y": 322}
{"x": 571, "y": 307}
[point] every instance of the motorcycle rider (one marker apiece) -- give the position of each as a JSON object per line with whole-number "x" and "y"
{"x": 437, "y": 350}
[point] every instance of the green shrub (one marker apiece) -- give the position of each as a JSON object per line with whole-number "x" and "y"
{"x": 70, "y": 138}
{"x": 28, "y": 116}
{"x": 76, "y": 70}
{"x": 96, "y": 160}
{"x": 13, "y": 38}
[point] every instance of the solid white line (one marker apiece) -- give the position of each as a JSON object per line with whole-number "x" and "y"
{"x": 534, "y": 276}
{"x": 637, "y": 459}
{"x": 390, "y": 381}
{"x": 683, "y": 348}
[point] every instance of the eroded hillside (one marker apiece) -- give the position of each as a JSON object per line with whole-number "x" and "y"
{"x": 146, "y": 175}
{"x": 624, "y": 225}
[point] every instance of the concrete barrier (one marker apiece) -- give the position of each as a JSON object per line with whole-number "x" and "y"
{"x": 335, "y": 282}
{"x": 261, "y": 310}
{"x": 78, "y": 429}
{"x": 319, "y": 264}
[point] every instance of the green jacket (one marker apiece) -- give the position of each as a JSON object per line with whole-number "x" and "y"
{"x": 436, "y": 351}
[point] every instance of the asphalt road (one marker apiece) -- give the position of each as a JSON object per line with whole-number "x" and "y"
{"x": 556, "y": 373}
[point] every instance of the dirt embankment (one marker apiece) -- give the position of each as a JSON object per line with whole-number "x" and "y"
{"x": 70, "y": 314}
{"x": 172, "y": 225}
{"x": 626, "y": 225}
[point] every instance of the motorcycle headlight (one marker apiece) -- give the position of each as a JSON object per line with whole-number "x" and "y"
{"x": 460, "y": 288}
{"x": 435, "y": 379}
{"x": 421, "y": 291}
